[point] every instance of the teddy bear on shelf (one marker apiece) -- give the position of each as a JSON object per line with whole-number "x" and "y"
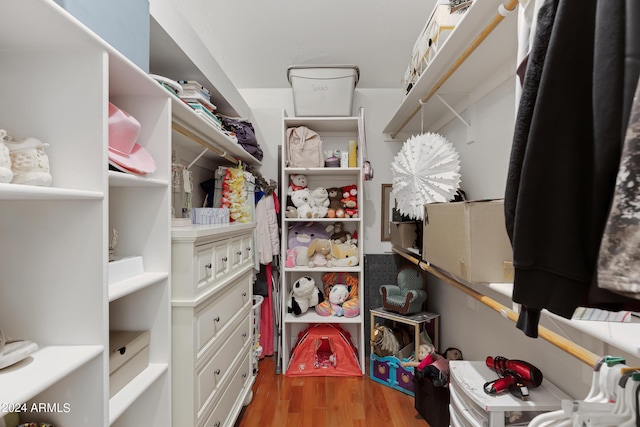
{"x": 320, "y": 199}
{"x": 301, "y": 199}
{"x": 319, "y": 253}
{"x": 336, "y": 207}
{"x": 350, "y": 200}
{"x": 304, "y": 295}
{"x": 335, "y": 286}
{"x": 296, "y": 182}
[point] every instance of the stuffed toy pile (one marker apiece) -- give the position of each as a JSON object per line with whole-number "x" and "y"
{"x": 304, "y": 295}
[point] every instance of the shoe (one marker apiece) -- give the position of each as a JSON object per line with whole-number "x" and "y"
{"x": 12, "y": 351}
{"x": 6, "y": 174}
{"x": 29, "y": 162}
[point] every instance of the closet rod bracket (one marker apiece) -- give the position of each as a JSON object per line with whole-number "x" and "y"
{"x": 470, "y": 139}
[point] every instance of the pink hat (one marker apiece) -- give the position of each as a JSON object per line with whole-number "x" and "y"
{"x": 123, "y": 149}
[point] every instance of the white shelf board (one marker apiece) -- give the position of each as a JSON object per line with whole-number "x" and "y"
{"x": 312, "y": 317}
{"x": 333, "y": 172}
{"x": 331, "y": 220}
{"x": 33, "y": 192}
{"x": 623, "y": 335}
{"x": 196, "y": 231}
{"x": 129, "y": 393}
{"x": 129, "y": 286}
{"x": 210, "y": 136}
{"x": 323, "y": 269}
{"x": 469, "y": 82}
{"x": 31, "y": 376}
{"x": 121, "y": 179}
{"x": 324, "y": 124}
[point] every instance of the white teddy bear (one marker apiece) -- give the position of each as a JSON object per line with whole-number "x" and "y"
{"x": 304, "y": 295}
{"x": 304, "y": 204}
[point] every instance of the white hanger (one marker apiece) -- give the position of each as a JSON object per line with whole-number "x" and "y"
{"x": 598, "y": 399}
{"x": 620, "y": 413}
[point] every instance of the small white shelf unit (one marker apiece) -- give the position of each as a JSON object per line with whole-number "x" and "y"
{"x": 335, "y": 133}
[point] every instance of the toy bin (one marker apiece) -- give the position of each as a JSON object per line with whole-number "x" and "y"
{"x": 323, "y": 90}
{"x": 387, "y": 370}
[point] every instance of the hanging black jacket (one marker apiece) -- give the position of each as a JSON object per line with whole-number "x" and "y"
{"x": 565, "y": 156}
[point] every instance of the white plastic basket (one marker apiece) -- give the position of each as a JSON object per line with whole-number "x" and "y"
{"x": 257, "y": 302}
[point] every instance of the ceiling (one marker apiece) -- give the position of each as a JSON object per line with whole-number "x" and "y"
{"x": 255, "y": 41}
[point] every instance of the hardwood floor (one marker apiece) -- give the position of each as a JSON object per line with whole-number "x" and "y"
{"x": 280, "y": 401}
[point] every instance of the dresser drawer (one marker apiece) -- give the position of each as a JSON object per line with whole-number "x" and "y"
{"x": 235, "y": 253}
{"x": 247, "y": 249}
{"x": 217, "y": 368}
{"x": 214, "y": 316}
{"x": 220, "y": 417}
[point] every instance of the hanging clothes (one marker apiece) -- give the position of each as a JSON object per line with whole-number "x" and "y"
{"x": 619, "y": 261}
{"x": 266, "y": 316}
{"x": 268, "y": 235}
{"x": 565, "y": 155}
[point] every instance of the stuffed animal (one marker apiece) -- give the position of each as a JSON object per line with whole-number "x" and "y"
{"x": 350, "y": 306}
{"x": 296, "y": 182}
{"x": 350, "y": 200}
{"x": 300, "y": 235}
{"x": 339, "y": 234}
{"x": 436, "y": 366}
{"x": 302, "y": 201}
{"x": 319, "y": 253}
{"x": 344, "y": 255}
{"x": 338, "y": 296}
{"x": 320, "y": 198}
{"x": 336, "y": 207}
{"x": 304, "y": 295}
{"x": 290, "y": 262}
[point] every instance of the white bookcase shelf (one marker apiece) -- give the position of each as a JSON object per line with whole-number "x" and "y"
{"x": 58, "y": 78}
{"x": 335, "y": 133}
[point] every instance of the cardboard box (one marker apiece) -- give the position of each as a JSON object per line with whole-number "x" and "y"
{"x": 323, "y": 90}
{"x": 468, "y": 239}
{"x": 403, "y": 234}
{"x": 128, "y": 357}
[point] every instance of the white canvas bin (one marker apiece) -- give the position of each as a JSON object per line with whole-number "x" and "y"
{"x": 323, "y": 90}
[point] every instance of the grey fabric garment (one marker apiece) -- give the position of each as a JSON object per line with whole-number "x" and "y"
{"x": 619, "y": 258}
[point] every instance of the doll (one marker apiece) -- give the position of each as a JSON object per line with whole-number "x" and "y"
{"x": 424, "y": 351}
{"x": 436, "y": 366}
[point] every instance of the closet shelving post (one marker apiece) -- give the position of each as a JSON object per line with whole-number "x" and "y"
{"x": 335, "y": 133}
{"x": 58, "y": 78}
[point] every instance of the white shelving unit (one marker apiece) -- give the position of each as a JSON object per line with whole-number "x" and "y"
{"x": 335, "y": 133}
{"x": 57, "y": 80}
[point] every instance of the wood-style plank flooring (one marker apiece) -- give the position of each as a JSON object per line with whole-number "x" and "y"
{"x": 280, "y": 401}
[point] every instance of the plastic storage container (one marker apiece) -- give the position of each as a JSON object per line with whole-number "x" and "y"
{"x": 323, "y": 90}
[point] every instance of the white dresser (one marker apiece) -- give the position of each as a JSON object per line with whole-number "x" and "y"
{"x": 211, "y": 320}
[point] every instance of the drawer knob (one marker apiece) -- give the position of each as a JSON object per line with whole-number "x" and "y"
{"x": 225, "y": 259}
{"x": 216, "y": 319}
{"x": 249, "y": 249}
{"x": 217, "y": 372}
{"x": 239, "y": 252}
{"x": 217, "y": 424}
{"x": 244, "y": 294}
{"x": 244, "y": 335}
{"x": 244, "y": 375}
{"x": 208, "y": 265}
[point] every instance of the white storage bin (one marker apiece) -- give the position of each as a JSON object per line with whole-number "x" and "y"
{"x": 323, "y": 90}
{"x": 128, "y": 357}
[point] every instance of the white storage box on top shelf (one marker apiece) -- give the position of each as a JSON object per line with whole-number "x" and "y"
{"x": 323, "y": 90}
